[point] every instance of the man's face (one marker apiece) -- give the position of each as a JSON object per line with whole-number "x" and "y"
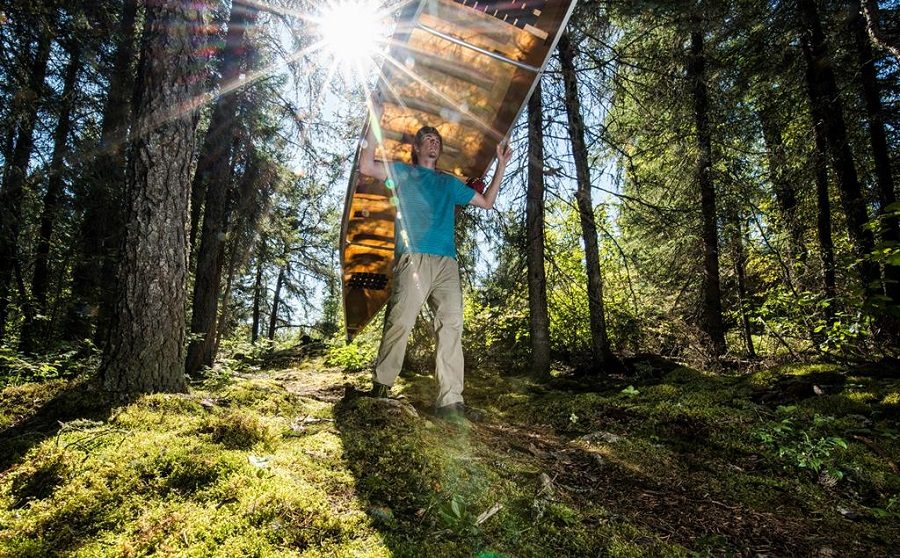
{"x": 429, "y": 147}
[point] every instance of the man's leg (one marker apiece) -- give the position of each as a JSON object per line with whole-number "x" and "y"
{"x": 446, "y": 301}
{"x": 410, "y": 290}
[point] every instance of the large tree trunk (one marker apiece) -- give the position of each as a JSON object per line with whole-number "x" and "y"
{"x": 145, "y": 352}
{"x": 34, "y": 330}
{"x": 213, "y": 175}
{"x": 101, "y": 228}
{"x": 825, "y": 96}
{"x": 539, "y": 319}
{"x": 868, "y": 81}
{"x": 12, "y": 193}
{"x": 712, "y": 296}
{"x": 600, "y": 349}
{"x": 785, "y": 191}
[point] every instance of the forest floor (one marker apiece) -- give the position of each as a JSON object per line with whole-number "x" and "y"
{"x": 791, "y": 461}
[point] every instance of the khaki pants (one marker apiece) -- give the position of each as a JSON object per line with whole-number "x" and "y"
{"x": 419, "y": 278}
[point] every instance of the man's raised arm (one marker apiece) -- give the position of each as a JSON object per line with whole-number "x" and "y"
{"x": 486, "y": 200}
{"x": 367, "y": 163}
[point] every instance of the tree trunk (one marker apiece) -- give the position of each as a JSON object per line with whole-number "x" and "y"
{"x": 102, "y": 225}
{"x": 712, "y": 296}
{"x": 785, "y": 192}
{"x": 276, "y": 300}
{"x": 739, "y": 259}
{"x": 34, "y": 330}
{"x": 12, "y": 193}
{"x": 868, "y": 81}
{"x": 257, "y": 297}
{"x": 221, "y": 126}
{"x": 824, "y": 94}
{"x": 539, "y": 319}
{"x": 870, "y": 9}
{"x": 600, "y": 350}
{"x": 226, "y": 295}
{"x": 823, "y": 213}
{"x": 246, "y": 217}
{"x": 213, "y": 176}
{"x": 146, "y": 348}
{"x": 9, "y": 143}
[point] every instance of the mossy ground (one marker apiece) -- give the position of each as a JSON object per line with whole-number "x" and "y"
{"x": 797, "y": 460}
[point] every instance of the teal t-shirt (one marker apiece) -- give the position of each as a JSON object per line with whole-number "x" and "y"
{"x": 426, "y": 209}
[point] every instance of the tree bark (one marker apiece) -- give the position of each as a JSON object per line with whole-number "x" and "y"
{"x": 102, "y": 224}
{"x": 12, "y": 193}
{"x": 34, "y": 330}
{"x": 600, "y": 350}
{"x": 146, "y": 348}
{"x": 712, "y": 295}
{"x": 276, "y": 300}
{"x": 538, "y": 316}
{"x": 213, "y": 176}
{"x": 824, "y": 94}
{"x": 868, "y": 81}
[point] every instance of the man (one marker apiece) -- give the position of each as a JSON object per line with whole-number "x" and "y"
{"x": 425, "y": 267}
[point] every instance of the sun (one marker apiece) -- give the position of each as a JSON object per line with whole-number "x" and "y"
{"x": 351, "y": 32}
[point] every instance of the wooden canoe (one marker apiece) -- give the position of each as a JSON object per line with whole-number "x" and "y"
{"x": 465, "y": 67}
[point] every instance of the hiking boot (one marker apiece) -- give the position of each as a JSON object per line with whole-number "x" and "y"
{"x": 378, "y": 391}
{"x": 456, "y": 412}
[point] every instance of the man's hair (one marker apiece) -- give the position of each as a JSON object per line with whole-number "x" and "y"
{"x": 420, "y": 135}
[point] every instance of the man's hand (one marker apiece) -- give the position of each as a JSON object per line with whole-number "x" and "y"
{"x": 504, "y": 153}
{"x": 486, "y": 200}
{"x": 367, "y": 163}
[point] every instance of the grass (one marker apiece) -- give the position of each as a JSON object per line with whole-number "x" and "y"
{"x": 275, "y": 464}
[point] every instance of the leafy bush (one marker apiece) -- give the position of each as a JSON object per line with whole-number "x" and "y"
{"x": 353, "y": 356}
{"x": 796, "y": 446}
{"x": 16, "y": 369}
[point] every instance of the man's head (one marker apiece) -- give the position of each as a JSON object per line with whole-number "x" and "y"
{"x": 427, "y": 145}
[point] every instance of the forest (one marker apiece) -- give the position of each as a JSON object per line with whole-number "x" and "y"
{"x": 681, "y": 318}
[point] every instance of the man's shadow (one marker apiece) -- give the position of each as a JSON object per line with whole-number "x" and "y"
{"x": 404, "y": 479}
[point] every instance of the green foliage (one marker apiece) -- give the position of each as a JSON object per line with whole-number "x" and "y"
{"x": 495, "y": 333}
{"x": 352, "y": 357}
{"x": 798, "y": 448}
{"x": 16, "y": 369}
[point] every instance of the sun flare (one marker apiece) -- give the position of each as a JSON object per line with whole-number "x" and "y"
{"x": 352, "y": 32}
